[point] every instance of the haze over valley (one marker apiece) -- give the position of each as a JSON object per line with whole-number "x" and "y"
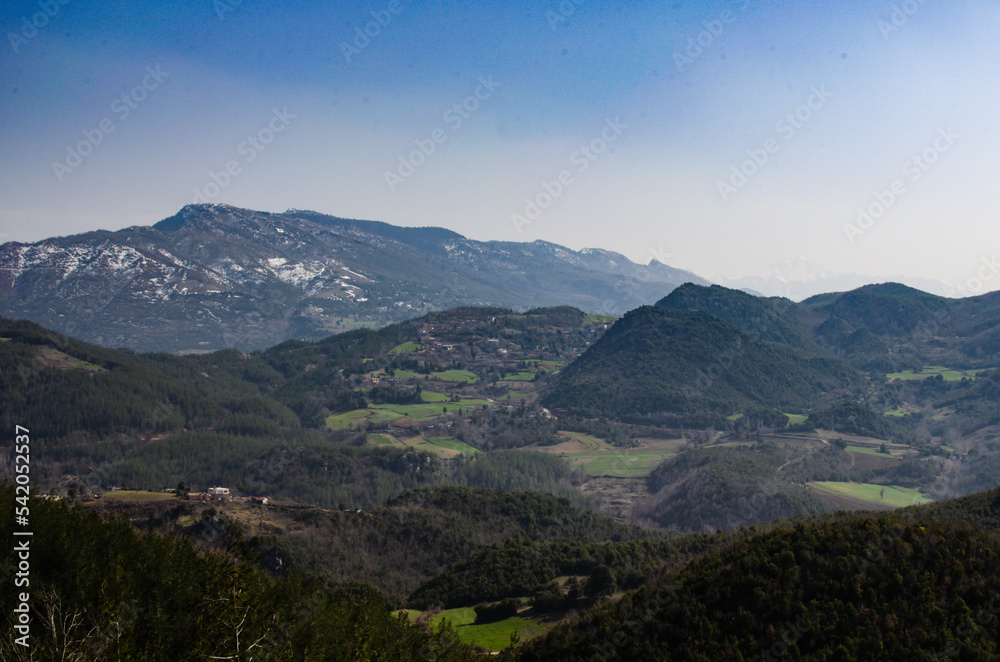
{"x": 521, "y": 331}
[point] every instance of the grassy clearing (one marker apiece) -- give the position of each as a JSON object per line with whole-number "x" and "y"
{"x": 405, "y": 374}
{"x": 894, "y": 496}
{"x": 586, "y": 439}
{"x": 453, "y": 445}
{"x": 947, "y": 374}
{"x": 406, "y": 348}
{"x": 386, "y": 413}
{"x": 623, "y": 463}
{"x": 347, "y": 419}
{"x": 523, "y": 376}
{"x": 872, "y": 451}
{"x": 382, "y": 440}
{"x": 902, "y": 410}
{"x": 462, "y": 376}
{"x": 598, "y": 319}
{"x": 138, "y": 495}
{"x": 468, "y": 402}
{"x": 796, "y": 419}
{"x": 430, "y": 396}
{"x": 456, "y": 376}
{"x": 420, "y": 412}
{"x": 342, "y": 324}
{"x": 494, "y": 636}
{"x": 443, "y": 448}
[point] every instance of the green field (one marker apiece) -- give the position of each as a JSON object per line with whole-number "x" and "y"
{"x": 948, "y": 374}
{"x": 385, "y": 413}
{"x": 454, "y": 445}
{"x": 419, "y": 412}
{"x": 382, "y": 440}
{"x": 456, "y": 376}
{"x": 586, "y": 439}
{"x": 446, "y": 376}
{"x": 795, "y": 419}
{"x": 439, "y": 404}
{"x": 433, "y": 445}
{"x": 897, "y": 497}
{"x": 523, "y": 376}
{"x": 902, "y": 410}
{"x": 494, "y": 636}
{"x": 872, "y": 451}
{"x": 347, "y": 419}
{"x": 406, "y": 348}
{"x": 138, "y": 495}
{"x": 623, "y": 463}
{"x": 430, "y": 396}
{"x": 598, "y": 319}
{"x": 405, "y": 374}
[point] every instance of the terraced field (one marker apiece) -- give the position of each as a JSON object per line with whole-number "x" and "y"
{"x": 947, "y": 374}
{"x": 598, "y": 458}
{"x": 406, "y": 348}
{"x": 462, "y": 376}
{"x": 621, "y": 462}
{"x": 492, "y": 636}
{"x": 872, "y": 451}
{"x": 438, "y": 406}
{"x": 891, "y": 496}
{"x": 442, "y": 447}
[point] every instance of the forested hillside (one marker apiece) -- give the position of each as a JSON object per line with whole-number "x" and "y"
{"x": 678, "y": 368}
{"x": 873, "y": 588}
{"x": 100, "y": 591}
{"x": 394, "y": 547}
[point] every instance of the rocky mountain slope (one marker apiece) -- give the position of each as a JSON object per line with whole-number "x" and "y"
{"x": 214, "y": 276}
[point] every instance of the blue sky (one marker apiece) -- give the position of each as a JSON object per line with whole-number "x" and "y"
{"x": 629, "y": 123}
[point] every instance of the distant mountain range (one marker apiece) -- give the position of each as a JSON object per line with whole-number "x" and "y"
{"x": 704, "y": 351}
{"x": 799, "y": 278}
{"x": 214, "y": 276}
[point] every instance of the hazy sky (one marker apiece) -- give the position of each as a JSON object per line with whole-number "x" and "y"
{"x": 626, "y": 125}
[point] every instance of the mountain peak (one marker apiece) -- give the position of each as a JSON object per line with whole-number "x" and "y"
{"x": 193, "y": 212}
{"x": 213, "y": 276}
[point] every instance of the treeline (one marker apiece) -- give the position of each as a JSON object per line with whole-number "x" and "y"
{"x": 523, "y": 471}
{"x": 86, "y": 405}
{"x": 301, "y": 466}
{"x": 856, "y": 589}
{"x": 832, "y": 463}
{"x": 399, "y": 546}
{"x": 507, "y": 428}
{"x": 316, "y": 373}
{"x": 100, "y": 591}
{"x": 296, "y": 466}
{"x": 854, "y": 418}
{"x": 720, "y": 488}
{"x": 520, "y": 568}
